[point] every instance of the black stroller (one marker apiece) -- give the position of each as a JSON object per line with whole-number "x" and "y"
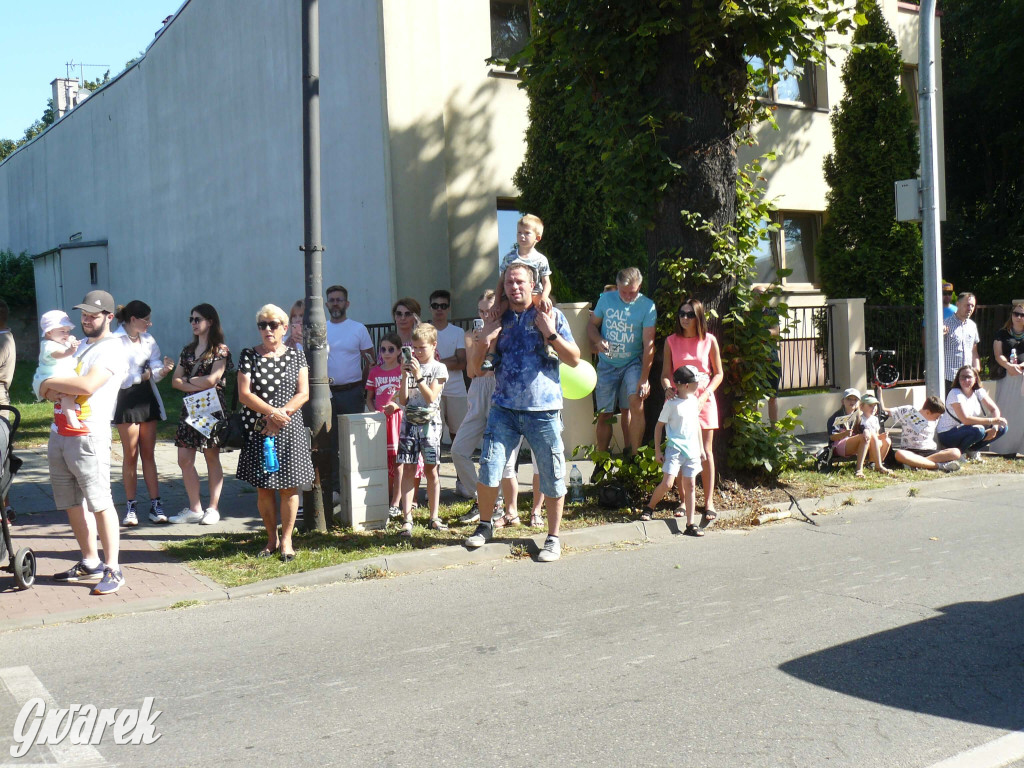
{"x": 23, "y": 563}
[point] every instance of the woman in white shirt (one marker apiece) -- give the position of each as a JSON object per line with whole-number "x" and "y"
{"x": 972, "y": 419}
{"x": 139, "y": 408}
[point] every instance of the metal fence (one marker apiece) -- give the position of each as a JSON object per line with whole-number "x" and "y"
{"x": 379, "y": 330}
{"x": 807, "y": 349}
{"x": 901, "y": 328}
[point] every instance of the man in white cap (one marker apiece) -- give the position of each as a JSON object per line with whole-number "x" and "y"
{"x": 80, "y": 464}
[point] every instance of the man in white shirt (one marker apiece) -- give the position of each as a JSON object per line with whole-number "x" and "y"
{"x": 451, "y": 348}
{"x": 961, "y": 339}
{"x": 80, "y": 464}
{"x": 349, "y": 357}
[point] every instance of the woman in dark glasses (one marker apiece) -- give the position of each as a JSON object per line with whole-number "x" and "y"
{"x": 1008, "y": 354}
{"x": 273, "y": 385}
{"x": 691, "y": 344}
{"x": 201, "y": 365}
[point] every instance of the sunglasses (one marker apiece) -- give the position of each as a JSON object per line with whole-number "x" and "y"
{"x": 271, "y": 324}
{"x": 196, "y": 319}
{"x": 947, "y": 293}
{"x": 388, "y": 350}
{"x": 1018, "y": 314}
{"x": 691, "y": 314}
{"x": 404, "y": 314}
{"x": 435, "y": 305}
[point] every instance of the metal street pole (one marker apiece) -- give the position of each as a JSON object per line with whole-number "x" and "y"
{"x": 314, "y": 335}
{"x": 934, "y": 362}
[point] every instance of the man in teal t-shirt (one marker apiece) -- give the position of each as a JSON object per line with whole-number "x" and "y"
{"x": 621, "y": 331}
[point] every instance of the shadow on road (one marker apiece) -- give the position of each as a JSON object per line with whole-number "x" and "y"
{"x": 967, "y": 664}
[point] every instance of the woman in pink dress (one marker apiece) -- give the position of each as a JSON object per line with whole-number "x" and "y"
{"x": 691, "y": 344}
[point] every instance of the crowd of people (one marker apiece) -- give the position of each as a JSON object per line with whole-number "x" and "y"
{"x": 944, "y": 435}
{"x": 416, "y": 378}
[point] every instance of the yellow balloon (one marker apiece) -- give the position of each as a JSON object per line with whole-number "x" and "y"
{"x": 577, "y": 382}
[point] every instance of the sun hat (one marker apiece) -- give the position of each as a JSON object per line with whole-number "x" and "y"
{"x": 54, "y": 319}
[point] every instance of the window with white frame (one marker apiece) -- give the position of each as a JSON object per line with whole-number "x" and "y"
{"x": 795, "y": 84}
{"x": 510, "y": 27}
{"x": 791, "y": 246}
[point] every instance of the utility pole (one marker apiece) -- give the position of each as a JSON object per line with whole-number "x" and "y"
{"x": 314, "y": 334}
{"x": 934, "y": 362}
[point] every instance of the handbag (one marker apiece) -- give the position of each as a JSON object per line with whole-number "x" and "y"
{"x": 231, "y": 429}
{"x": 613, "y": 496}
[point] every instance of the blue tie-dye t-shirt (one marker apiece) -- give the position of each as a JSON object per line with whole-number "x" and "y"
{"x": 526, "y": 378}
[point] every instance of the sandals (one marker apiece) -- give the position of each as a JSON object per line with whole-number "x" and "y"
{"x": 505, "y": 521}
{"x": 647, "y": 515}
{"x": 406, "y": 529}
{"x": 435, "y": 524}
{"x": 266, "y": 553}
{"x": 693, "y": 530}
{"x": 709, "y": 514}
{"x": 537, "y": 520}
{"x": 859, "y": 474}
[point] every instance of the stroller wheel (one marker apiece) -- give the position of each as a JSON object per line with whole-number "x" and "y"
{"x": 25, "y": 568}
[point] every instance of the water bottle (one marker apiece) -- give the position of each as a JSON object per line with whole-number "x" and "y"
{"x": 575, "y": 484}
{"x": 270, "y": 462}
{"x": 1013, "y": 356}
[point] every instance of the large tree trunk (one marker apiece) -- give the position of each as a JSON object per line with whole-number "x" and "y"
{"x": 703, "y": 144}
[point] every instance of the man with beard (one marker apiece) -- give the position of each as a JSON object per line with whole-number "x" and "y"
{"x": 527, "y": 401}
{"x": 80, "y": 464}
{"x": 349, "y": 357}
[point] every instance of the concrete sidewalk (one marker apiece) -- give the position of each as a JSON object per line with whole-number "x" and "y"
{"x": 154, "y": 580}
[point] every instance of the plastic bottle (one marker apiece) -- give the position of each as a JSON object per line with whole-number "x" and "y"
{"x": 575, "y": 484}
{"x": 270, "y": 462}
{"x": 1013, "y": 356}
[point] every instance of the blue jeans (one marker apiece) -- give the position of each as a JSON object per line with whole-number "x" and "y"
{"x": 967, "y": 437}
{"x": 542, "y": 430}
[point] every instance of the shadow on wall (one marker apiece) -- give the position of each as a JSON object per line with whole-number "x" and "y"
{"x": 791, "y": 141}
{"x": 446, "y": 184}
{"x": 964, "y": 665}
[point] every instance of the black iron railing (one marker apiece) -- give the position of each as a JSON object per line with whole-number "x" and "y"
{"x": 807, "y": 349}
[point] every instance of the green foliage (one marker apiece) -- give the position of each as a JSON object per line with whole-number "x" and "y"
{"x": 636, "y": 111}
{"x": 92, "y": 85}
{"x": 17, "y": 281}
{"x": 639, "y": 474}
{"x": 984, "y": 128}
{"x": 863, "y": 251}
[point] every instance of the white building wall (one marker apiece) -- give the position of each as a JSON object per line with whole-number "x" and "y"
{"x": 190, "y": 166}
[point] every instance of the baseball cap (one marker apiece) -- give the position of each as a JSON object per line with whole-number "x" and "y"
{"x": 685, "y": 374}
{"x": 97, "y": 301}
{"x": 869, "y": 400}
{"x": 947, "y": 286}
{"x": 851, "y": 392}
{"x": 54, "y": 319}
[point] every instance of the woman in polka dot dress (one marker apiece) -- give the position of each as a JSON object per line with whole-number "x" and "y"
{"x": 273, "y": 385}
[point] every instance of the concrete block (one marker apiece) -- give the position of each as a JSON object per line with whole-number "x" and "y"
{"x": 364, "y": 503}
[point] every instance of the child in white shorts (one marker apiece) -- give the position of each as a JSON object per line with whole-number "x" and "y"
{"x": 680, "y": 419}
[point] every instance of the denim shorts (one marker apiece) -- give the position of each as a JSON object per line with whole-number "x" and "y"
{"x": 417, "y": 439}
{"x": 542, "y": 430}
{"x": 615, "y": 385}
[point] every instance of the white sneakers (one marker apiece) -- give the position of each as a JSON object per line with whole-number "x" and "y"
{"x": 188, "y": 516}
{"x": 212, "y": 516}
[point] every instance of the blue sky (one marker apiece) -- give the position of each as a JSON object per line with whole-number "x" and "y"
{"x": 39, "y": 37}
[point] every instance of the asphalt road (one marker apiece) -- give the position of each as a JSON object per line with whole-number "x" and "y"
{"x": 890, "y": 634}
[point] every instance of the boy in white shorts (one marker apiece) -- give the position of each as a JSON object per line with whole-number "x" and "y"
{"x": 680, "y": 418}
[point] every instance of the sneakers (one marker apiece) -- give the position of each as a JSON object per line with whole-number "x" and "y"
{"x": 110, "y": 583}
{"x": 80, "y": 572}
{"x": 974, "y": 457}
{"x": 552, "y": 550}
{"x": 156, "y": 512}
{"x": 484, "y": 531}
{"x": 394, "y": 512}
{"x": 463, "y": 491}
{"x": 212, "y": 516}
{"x": 472, "y": 516}
{"x": 186, "y": 516}
{"x": 949, "y": 466}
{"x": 131, "y": 518}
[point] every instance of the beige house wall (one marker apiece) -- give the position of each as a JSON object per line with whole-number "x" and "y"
{"x": 457, "y": 135}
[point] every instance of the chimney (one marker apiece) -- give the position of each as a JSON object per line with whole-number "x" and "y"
{"x": 65, "y": 96}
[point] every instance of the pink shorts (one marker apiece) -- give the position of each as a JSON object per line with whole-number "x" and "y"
{"x": 840, "y": 447}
